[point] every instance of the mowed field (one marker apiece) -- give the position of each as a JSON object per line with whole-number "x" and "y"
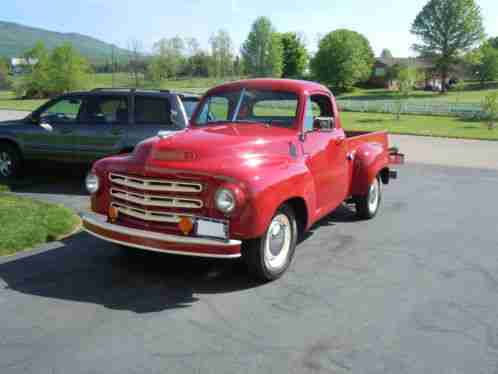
{"x": 451, "y": 127}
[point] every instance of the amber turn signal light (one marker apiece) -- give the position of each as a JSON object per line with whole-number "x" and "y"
{"x": 185, "y": 225}
{"x": 113, "y": 214}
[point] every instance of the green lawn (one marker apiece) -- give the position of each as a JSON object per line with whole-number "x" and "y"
{"x": 9, "y": 101}
{"x": 473, "y": 93}
{"x": 448, "y": 127}
{"x": 25, "y": 223}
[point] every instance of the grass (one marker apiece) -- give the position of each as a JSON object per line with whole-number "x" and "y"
{"x": 473, "y": 93}
{"x": 447, "y": 127}
{"x": 9, "y": 101}
{"x": 25, "y": 223}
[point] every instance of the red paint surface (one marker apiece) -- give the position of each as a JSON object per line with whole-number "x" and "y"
{"x": 256, "y": 162}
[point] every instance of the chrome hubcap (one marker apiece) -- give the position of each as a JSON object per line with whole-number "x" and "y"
{"x": 5, "y": 164}
{"x": 278, "y": 242}
{"x": 373, "y": 200}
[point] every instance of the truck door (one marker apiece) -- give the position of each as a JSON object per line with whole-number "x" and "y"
{"x": 326, "y": 150}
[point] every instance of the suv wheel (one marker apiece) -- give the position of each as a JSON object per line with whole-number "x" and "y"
{"x": 10, "y": 162}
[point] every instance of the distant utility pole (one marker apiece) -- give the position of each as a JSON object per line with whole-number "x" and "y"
{"x": 113, "y": 67}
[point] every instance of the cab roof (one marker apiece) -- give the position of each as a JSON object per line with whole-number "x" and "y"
{"x": 291, "y": 85}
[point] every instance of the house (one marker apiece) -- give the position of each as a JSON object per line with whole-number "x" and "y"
{"x": 429, "y": 75}
{"x": 20, "y": 65}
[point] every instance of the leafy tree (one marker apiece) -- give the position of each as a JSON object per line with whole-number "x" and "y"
{"x": 67, "y": 70}
{"x": 344, "y": 58}
{"x": 221, "y": 54}
{"x": 262, "y": 51}
{"x": 386, "y": 53}
{"x": 198, "y": 65}
{"x": 295, "y": 56}
{"x": 168, "y": 58}
{"x": 493, "y": 42}
{"x": 487, "y": 68}
{"x": 4, "y": 73}
{"x": 459, "y": 87}
{"x": 37, "y": 81}
{"x": 136, "y": 64}
{"x": 446, "y": 28}
{"x": 406, "y": 77}
{"x": 63, "y": 70}
{"x": 489, "y": 106}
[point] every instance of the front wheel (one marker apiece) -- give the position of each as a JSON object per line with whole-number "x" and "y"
{"x": 270, "y": 256}
{"x": 367, "y": 206}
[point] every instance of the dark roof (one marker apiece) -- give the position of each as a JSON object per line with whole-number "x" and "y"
{"x": 117, "y": 91}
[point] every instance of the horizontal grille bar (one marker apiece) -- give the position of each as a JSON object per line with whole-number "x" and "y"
{"x": 155, "y": 184}
{"x": 147, "y": 215}
{"x": 154, "y": 200}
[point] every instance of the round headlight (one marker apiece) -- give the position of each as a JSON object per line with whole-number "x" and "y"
{"x": 92, "y": 183}
{"x": 225, "y": 200}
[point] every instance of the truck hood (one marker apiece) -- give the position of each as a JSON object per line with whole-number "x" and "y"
{"x": 230, "y": 150}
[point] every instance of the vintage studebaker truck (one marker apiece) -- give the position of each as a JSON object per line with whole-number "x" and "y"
{"x": 260, "y": 163}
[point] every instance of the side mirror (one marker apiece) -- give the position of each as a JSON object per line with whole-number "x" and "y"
{"x": 323, "y": 123}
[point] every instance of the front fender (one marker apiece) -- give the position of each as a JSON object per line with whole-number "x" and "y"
{"x": 370, "y": 159}
{"x": 277, "y": 187}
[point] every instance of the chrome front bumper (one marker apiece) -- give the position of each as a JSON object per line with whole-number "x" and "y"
{"x": 97, "y": 225}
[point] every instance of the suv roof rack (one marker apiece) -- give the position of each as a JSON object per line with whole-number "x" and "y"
{"x": 128, "y": 89}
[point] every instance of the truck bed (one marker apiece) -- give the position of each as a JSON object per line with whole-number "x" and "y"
{"x": 357, "y": 138}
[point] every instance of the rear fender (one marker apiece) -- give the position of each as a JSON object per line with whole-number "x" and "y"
{"x": 370, "y": 160}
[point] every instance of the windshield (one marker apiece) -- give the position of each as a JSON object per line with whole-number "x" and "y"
{"x": 190, "y": 105}
{"x": 249, "y": 106}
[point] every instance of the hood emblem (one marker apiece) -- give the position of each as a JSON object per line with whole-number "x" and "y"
{"x": 173, "y": 155}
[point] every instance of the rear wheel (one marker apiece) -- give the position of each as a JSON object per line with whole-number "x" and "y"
{"x": 10, "y": 162}
{"x": 270, "y": 256}
{"x": 367, "y": 206}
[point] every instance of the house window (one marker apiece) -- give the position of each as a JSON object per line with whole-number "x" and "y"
{"x": 380, "y": 72}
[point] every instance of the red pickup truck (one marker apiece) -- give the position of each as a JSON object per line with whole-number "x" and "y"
{"x": 260, "y": 163}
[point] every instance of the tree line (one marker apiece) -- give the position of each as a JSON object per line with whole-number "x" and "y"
{"x": 449, "y": 32}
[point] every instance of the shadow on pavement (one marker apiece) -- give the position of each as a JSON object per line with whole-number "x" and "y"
{"x": 89, "y": 270}
{"x": 52, "y": 179}
{"x": 343, "y": 214}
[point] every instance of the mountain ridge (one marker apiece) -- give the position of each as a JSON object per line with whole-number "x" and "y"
{"x": 16, "y": 38}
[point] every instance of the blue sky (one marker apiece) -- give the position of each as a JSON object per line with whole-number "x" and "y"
{"x": 385, "y": 23}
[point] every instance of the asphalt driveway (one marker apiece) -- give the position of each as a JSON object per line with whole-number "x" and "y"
{"x": 413, "y": 291}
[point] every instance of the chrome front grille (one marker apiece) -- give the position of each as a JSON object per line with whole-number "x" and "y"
{"x": 155, "y": 184}
{"x": 156, "y": 200}
{"x": 149, "y": 199}
{"x": 148, "y": 215}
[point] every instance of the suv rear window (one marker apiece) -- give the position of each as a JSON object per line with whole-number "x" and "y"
{"x": 152, "y": 110}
